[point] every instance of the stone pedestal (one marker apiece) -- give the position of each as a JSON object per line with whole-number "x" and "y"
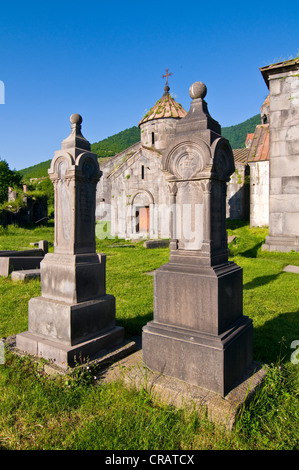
{"x": 199, "y": 334}
{"x": 74, "y": 318}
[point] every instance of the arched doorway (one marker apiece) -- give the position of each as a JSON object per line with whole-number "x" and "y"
{"x": 141, "y": 203}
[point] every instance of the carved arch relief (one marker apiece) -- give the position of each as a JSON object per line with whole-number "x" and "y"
{"x": 63, "y": 201}
{"x": 61, "y": 157}
{"x": 223, "y": 159}
{"x": 187, "y": 160}
{"x": 142, "y": 198}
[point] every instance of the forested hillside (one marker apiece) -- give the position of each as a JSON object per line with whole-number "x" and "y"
{"x": 116, "y": 143}
{"x": 124, "y": 139}
{"x": 36, "y": 171}
{"x": 237, "y": 134}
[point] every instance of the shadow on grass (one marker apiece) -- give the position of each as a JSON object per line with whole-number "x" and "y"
{"x": 272, "y": 340}
{"x": 133, "y": 326}
{"x": 234, "y": 224}
{"x": 30, "y": 227}
{"x": 261, "y": 281}
{"x": 252, "y": 252}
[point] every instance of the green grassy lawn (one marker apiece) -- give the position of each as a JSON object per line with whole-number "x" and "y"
{"x": 42, "y": 412}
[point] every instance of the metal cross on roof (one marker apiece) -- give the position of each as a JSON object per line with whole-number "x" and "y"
{"x": 167, "y": 75}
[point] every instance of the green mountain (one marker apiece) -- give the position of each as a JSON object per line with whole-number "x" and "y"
{"x": 237, "y": 134}
{"x": 36, "y": 171}
{"x": 118, "y": 142}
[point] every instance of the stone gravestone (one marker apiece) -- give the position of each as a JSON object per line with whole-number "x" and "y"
{"x": 74, "y": 318}
{"x": 199, "y": 333}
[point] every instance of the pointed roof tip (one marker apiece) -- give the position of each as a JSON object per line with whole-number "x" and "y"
{"x": 165, "y": 107}
{"x": 75, "y": 139}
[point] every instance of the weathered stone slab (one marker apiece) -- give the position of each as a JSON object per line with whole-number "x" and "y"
{"x": 9, "y": 264}
{"x": 291, "y": 269}
{"x": 21, "y": 253}
{"x": 173, "y": 391}
{"x": 25, "y": 275}
{"x": 156, "y": 243}
{"x": 99, "y": 361}
{"x": 65, "y": 356}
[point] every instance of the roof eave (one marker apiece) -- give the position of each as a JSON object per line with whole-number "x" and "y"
{"x": 279, "y": 67}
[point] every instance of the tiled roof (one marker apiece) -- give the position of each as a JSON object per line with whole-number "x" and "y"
{"x": 240, "y": 155}
{"x": 249, "y": 140}
{"x": 259, "y": 148}
{"x": 166, "y": 107}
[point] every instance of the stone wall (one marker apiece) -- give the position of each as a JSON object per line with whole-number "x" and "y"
{"x": 155, "y": 133}
{"x": 139, "y": 182}
{"x": 237, "y": 200}
{"x": 259, "y": 194}
{"x": 283, "y": 82}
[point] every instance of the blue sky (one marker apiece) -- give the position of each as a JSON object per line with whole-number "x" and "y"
{"x": 105, "y": 61}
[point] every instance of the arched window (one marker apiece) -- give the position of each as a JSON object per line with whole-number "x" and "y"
{"x": 264, "y": 119}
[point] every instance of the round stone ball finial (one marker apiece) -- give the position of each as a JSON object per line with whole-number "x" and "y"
{"x": 198, "y": 90}
{"x": 76, "y": 119}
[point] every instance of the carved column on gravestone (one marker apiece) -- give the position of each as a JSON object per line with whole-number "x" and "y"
{"x": 199, "y": 333}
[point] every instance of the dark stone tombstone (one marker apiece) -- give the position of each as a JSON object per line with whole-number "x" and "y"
{"x": 199, "y": 333}
{"x": 74, "y": 318}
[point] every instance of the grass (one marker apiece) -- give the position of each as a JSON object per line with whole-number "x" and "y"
{"x": 42, "y": 412}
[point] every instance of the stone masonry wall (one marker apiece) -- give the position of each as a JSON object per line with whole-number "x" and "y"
{"x": 259, "y": 194}
{"x": 284, "y": 154}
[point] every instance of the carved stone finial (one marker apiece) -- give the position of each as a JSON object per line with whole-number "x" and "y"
{"x": 198, "y": 90}
{"x": 76, "y": 119}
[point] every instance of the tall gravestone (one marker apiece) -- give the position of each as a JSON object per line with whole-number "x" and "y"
{"x": 199, "y": 333}
{"x": 74, "y": 318}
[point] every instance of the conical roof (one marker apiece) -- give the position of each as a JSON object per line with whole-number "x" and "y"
{"x": 165, "y": 107}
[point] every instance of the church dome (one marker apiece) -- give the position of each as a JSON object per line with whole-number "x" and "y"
{"x": 165, "y": 107}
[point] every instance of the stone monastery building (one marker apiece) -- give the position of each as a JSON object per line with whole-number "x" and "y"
{"x": 133, "y": 193}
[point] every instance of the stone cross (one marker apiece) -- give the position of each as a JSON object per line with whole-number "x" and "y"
{"x": 166, "y": 76}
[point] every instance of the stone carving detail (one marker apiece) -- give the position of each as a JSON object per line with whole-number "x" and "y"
{"x": 186, "y": 161}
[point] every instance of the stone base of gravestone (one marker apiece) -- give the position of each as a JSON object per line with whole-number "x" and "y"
{"x": 65, "y": 356}
{"x": 74, "y": 318}
{"x": 199, "y": 334}
{"x": 178, "y": 393}
{"x": 25, "y": 275}
{"x": 282, "y": 244}
{"x": 101, "y": 359}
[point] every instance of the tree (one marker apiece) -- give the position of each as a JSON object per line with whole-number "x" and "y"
{"x": 8, "y": 178}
